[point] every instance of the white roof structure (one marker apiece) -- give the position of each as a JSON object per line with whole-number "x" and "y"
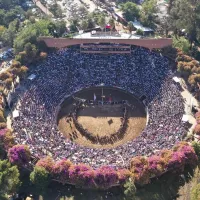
{"x": 185, "y": 118}
{"x": 176, "y": 79}
{"x": 31, "y": 77}
{"x": 15, "y": 113}
{"x": 138, "y": 25}
{"x": 107, "y": 36}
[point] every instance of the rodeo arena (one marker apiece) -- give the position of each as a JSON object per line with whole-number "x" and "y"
{"x": 100, "y": 101}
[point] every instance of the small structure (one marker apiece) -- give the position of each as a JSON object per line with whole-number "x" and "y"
{"x": 146, "y": 30}
{"x": 31, "y": 77}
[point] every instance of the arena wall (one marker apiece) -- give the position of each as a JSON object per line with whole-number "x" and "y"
{"x": 147, "y": 43}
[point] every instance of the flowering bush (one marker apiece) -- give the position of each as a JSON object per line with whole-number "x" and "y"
{"x": 123, "y": 175}
{"x": 156, "y": 165}
{"x": 47, "y": 163}
{"x": 81, "y": 174}
{"x": 166, "y": 155}
{"x": 197, "y": 129}
{"x": 19, "y": 155}
{"x": 197, "y": 115}
{"x": 105, "y": 177}
{"x": 61, "y": 170}
{"x": 2, "y": 118}
{"x": 87, "y": 178}
{"x": 177, "y": 162}
{"x": 6, "y": 138}
{"x": 139, "y": 167}
{"x": 189, "y": 153}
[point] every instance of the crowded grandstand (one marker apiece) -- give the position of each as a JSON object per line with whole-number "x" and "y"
{"x": 141, "y": 72}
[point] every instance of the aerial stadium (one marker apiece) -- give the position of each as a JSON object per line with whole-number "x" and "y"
{"x": 100, "y": 110}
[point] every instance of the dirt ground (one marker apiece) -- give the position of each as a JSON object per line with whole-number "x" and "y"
{"x": 103, "y": 119}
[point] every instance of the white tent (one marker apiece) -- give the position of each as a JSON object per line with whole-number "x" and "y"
{"x": 185, "y": 118}
{"x": 176, "y": 79}
{"x": 31, "y": 77}
{"x": 15, "y": 113}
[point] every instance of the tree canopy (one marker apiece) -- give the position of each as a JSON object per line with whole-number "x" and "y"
{"x": 185, "y": 15}
{"x": 9, "y": 178}
{"x": 148, "y": 13}
{"x": 130, "y": 11}
{"x": 40, "y": 178}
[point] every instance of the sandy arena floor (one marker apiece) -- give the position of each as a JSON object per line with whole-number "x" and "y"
{"x": 96, "y": 118}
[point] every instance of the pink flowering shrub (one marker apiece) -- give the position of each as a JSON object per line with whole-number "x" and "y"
{"x": 177, "y": 162}
{"x": 87, "y": 178}
{"x": 47, "y": 163}
{"x": 156, "y": 165}
{"x": 166, "y": 155}
{"x": 81, "y": 174}
{"x": 105, "y": 177}
{"x": 139, "y": 167}
{"x": 123, "y": 175}
{"x": 19, "y": 155}
{"x": 197, "y": 115}
{"x": 61, "y": 170}
{"x": 189, "y": 153}
{"x": 197, "y": 129}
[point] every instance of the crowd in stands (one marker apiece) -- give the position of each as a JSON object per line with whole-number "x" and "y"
{"x": 67, "y": 71}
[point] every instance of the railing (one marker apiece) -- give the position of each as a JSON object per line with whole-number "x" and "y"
{"x": 102, "y": 33}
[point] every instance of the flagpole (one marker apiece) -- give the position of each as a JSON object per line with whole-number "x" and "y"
{"x": 102, "y": 95}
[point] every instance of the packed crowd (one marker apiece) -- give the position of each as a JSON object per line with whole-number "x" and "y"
{"x": 107, "y": 139}
{"x": 67, "y": 71}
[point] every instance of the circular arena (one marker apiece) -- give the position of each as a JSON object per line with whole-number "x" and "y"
{"x": 110, "y": 115}
{"x": 44, "y": 107}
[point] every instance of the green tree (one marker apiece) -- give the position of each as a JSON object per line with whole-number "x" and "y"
{"x": 112, "y": 23}
{"x": 9, "y": 178}
{"x": 82, "y": 11}
{"x": 130, "y": 27}
{"x": 181, "y": 43}
{"x": 73, "y": 26}
{"x": 2, "y": 15}
{"x": 2, "y": 29}
{"x": 5, "y": 4}
{"x": 90, "y": 23}
{"x": 60, "y": 28}
{"x": 30, "y": 50}
{"x": 185, "y": 14}
{"x": 30, "y": 34}
{"x": 56, "y": 10}
{"x": 196, "y": 146}
{"x": 9, "y": 34}
{"x": 11, "y": 15}
{"x": 102, "y": 22}
{"x": 40, "y": 178}
{"x": 130, "y": 11}
{"x": 140, "y": 32}
{"x": 148, "y": 13}
{"x": 130, "y": 190}
{"x": 84, "y": 24}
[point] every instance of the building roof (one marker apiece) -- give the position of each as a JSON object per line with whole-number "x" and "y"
{"x": 107, "y": 36}
{"x": 138, "y": 25}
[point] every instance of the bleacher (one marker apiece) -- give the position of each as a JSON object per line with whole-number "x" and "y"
{"x": 105, "y": 48}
